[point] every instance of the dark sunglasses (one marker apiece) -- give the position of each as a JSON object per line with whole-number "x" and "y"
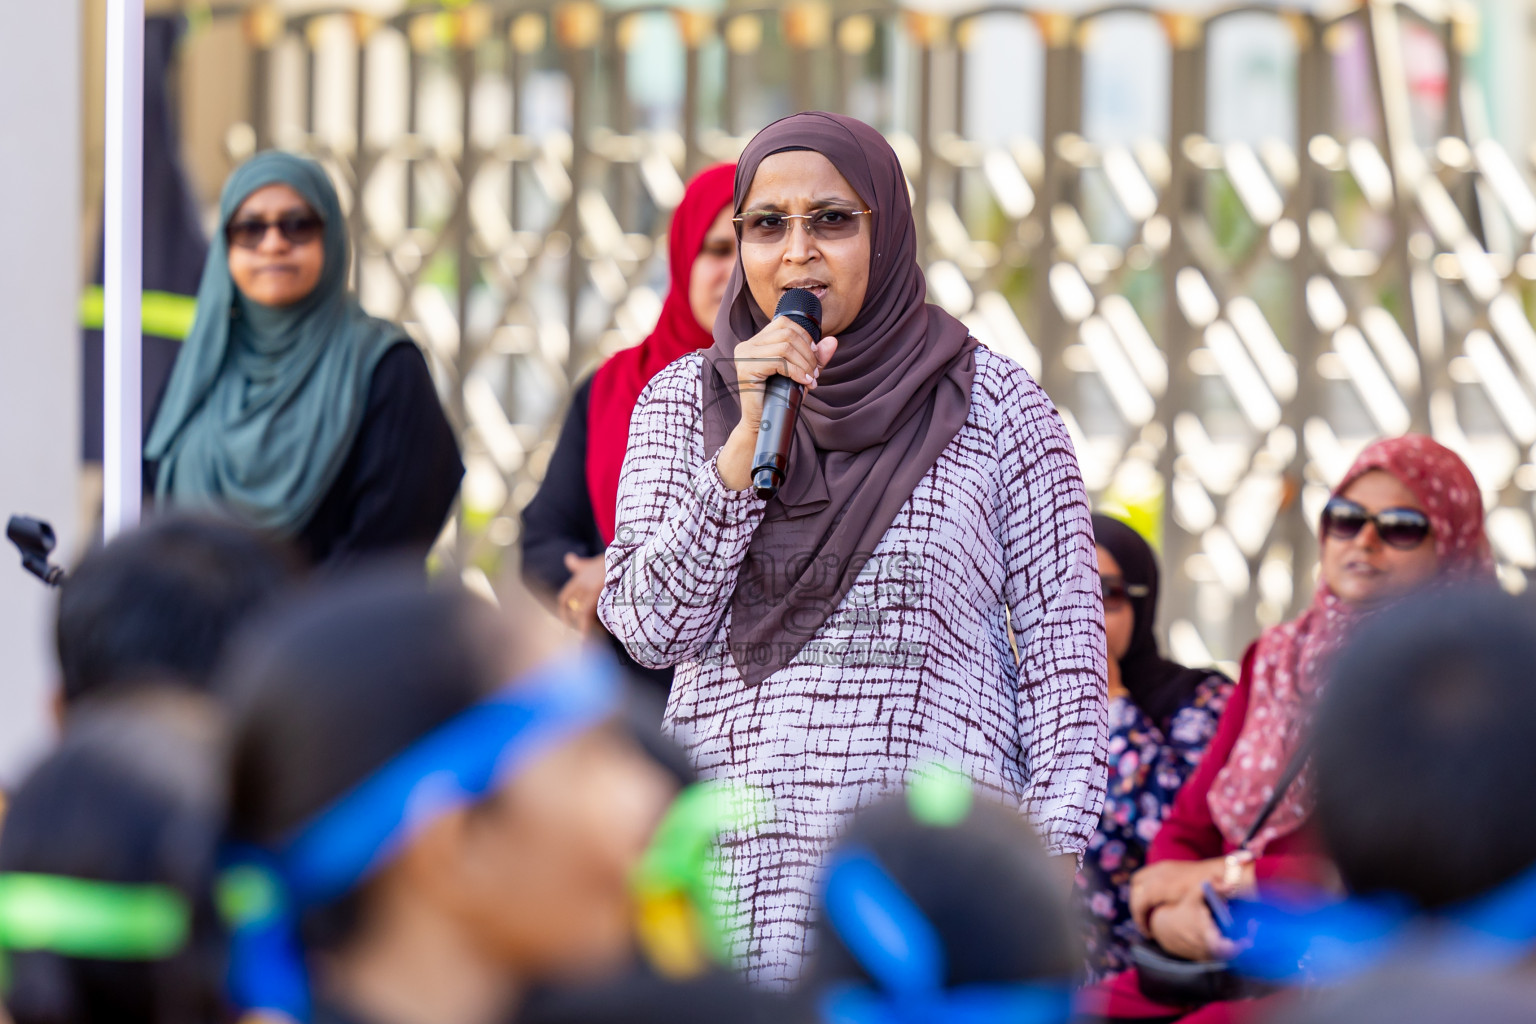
{"x": 296, "y": 229}
{"x": 1401, "y": 528}
{"x": 1117, "y": 592}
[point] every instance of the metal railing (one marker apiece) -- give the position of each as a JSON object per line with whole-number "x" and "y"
{"x": 1223, "y": 322}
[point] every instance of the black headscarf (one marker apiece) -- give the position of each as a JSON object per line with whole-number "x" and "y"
{"x": 1158, "y": 686}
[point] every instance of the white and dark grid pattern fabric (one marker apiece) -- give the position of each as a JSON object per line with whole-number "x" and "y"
{"x": 914, "y": 666}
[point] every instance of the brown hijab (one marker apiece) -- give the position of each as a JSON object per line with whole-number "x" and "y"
{"x": 896, "y": 392}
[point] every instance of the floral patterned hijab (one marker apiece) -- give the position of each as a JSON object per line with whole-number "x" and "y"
{"x": 1288, "y": 660}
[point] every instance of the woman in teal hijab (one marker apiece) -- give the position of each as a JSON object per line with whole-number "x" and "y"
{"x": 290, "y": 407}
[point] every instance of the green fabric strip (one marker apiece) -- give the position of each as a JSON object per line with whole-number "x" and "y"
{"x": 98, "y": 920}
{"x": 683, "y": 855}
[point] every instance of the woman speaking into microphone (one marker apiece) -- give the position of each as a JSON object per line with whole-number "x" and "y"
{"x": 854, "y": 627}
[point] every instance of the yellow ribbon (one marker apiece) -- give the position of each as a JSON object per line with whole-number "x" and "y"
{"x": 165, "y": 315}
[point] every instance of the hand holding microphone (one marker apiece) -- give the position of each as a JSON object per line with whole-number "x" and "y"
{"x": 781, "y": 399}
{"x": 783, "y": 358}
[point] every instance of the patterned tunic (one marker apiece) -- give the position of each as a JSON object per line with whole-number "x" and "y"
{"x": 1146, "y": 771}
{"x": 913, "y": 666}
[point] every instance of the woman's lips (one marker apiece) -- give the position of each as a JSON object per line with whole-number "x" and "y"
{"x": 818, "y": 290}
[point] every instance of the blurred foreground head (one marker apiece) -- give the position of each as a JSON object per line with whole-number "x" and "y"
{"x": 1417, "y": 999}
{"x": 1423, "y": 753}
{"x": 106, "y": 867}
{"x": 719, "y": 998}
{"x": 938, "y": 896}
{"x": 447, "y": 807}
{"x": 159, "y": 603}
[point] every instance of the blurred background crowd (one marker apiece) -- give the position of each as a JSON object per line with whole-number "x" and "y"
{"x": 1234, "y": 244}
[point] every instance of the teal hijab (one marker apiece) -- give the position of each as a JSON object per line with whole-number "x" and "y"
{"x": 265, "y": 402}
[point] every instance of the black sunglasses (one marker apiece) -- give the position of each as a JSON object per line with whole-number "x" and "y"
{"x": 296, "y": 229}
{"x": 1117, "y": 592}
{"x": 1401, "y": 528}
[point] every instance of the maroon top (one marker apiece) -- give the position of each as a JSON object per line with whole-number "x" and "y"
{"x": 1190, "y": 833}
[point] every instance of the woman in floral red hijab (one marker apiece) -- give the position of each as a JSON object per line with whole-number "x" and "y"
{"x": 1407, "y": 515}
{"x": 1286, "y": 658}
{"x": 570, "y": 521}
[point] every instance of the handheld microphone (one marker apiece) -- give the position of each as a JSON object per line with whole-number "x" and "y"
{"x": 781, "y": 400}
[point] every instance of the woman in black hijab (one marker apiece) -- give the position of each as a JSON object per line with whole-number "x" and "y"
{"x": 1161, "y": 718}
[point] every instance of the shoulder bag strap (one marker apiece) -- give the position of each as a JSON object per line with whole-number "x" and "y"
{"x": 1293, "y": 768}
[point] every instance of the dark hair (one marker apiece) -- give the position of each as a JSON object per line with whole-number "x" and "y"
{"x": 646, "y": 999}
{"x": 131, "y": 795}
{"x": 1423, "y": 749}
{"x": 1160, "y": 688}
{"x": 984, "y": 884}
{"x": 334, "y": 686}
{"x": 161, "y": 602}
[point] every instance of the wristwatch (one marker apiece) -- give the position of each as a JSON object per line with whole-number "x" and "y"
{"x": 1235, "y": 869}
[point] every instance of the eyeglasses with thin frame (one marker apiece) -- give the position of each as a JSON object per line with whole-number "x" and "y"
{"x": 1118, "y": 593}
{"x": 1401, "y": 528}
{"x": 296, "y": 229}
{"x": 770, "y": 227}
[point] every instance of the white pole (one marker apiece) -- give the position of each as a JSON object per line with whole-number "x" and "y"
{"x": 122, "y": 338}
{"x": 40, "y": 115}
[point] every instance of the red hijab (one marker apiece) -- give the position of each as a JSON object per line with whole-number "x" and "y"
{"x": 618, "y": 382}
{"x": 1289, "y": 658}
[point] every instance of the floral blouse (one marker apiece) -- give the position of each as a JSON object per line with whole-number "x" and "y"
{"x": 1146, "y": 770}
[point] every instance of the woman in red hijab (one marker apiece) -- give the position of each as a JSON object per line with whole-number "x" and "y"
{"x": 1407, "y": 515}
{"x": 569, "y": 522}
